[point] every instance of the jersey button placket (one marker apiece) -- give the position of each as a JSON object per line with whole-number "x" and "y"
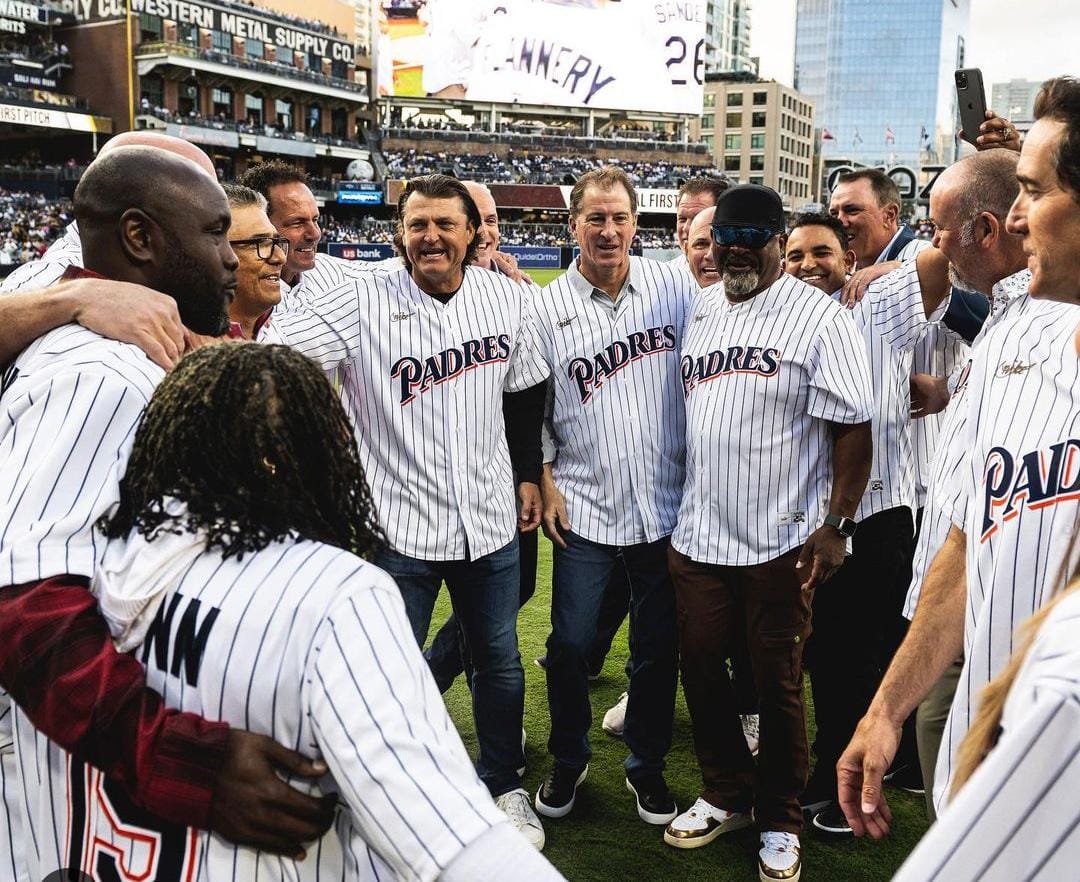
{"x": 452, "y": 402}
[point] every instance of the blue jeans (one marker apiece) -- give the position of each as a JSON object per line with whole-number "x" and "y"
{"x": 484, "y": 595}
{"x": 581, "y": 574}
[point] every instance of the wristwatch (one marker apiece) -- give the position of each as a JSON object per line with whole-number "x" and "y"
{"x": 844, "y": 526}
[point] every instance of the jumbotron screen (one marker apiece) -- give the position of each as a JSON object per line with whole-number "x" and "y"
{"x": 607, "y": 54}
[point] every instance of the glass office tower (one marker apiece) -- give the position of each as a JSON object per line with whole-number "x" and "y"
{"x": 880, "y": 74}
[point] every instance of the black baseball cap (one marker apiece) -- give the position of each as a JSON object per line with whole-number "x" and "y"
{"x": 750, "y": 205}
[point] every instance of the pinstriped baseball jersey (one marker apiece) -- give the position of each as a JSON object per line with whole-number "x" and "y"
{"x": 1008, "y": 298}
{"x": 423, "y": 385}
{"x": 310, "y": 645}
{"x": 1017, "y": 817}
{"x": 64, "y": 252}
{"x": 1016, "y": 494}
{"x": 762, "y": 379}
{"x": 617, "y": 411}
{"x": 680, "y": 262}
{"x": 891, "y": 318}
{"x": 328, "y": 272}
{"x": 68, "y": 410}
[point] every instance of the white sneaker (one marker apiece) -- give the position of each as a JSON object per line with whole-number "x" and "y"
{"x": 702, "y": 823}
{"x": 615, "y": 718}
{"x": 779, "y": 858}
{"x": 516, "y": 806}
{"x": 751, "y": 729}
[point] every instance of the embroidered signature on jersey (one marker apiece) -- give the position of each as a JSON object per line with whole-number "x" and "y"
{"x": 733, "y": 360}
{"x": 1037, "y": 479}
{"x": 589, "y": 374}
{"x": 417, "y": 376}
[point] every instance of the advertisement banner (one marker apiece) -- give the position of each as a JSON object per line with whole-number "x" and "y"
{"x": 534, "y": 257}
{"x": 24, "y": 77}
{"x": 359, "y": 197}
{"x": 18, "y": 115}
{"x": 360, "y": 250}
{"x": 611, "y": 54}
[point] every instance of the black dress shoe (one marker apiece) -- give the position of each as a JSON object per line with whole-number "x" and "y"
{"x": 832, "y": 822}
{"x": 655, "y": 804}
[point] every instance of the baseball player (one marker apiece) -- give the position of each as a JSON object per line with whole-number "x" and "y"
{"x": 776, "y": 380}
{"x": 1011, "y": 543}
{"x": 293, "y": 211}
{"x": 695, "y": 195}
{"x": 226, "y": 575}
{"x": 970, "y": 202}
{"x": 1017, "y": 775}
{"x": 610, "y": 329}
{"x": 428, "y": 351}
{"x": 844, "y": 673}
{"x": 85, "y": 395}
{"x": 448, "y": 654}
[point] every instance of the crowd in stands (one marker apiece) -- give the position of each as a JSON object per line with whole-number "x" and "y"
{"x": 247, "y": 126}
{"x": 39, "y": 48}
{"x": 526, "y": 167}
{"x": 29, "y": 223}
{"x": 534, "y": 129}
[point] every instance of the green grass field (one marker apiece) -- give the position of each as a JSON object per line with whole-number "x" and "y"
{"x": 543, "y": 276}
{"x": 603, "y": 839}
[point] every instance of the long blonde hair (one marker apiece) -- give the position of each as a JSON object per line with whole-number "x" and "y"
{"x": 985, "y": 730}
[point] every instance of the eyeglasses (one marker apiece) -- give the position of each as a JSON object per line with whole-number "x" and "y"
{"x": 744, "y": 237}
{"x": 264, "y": 245}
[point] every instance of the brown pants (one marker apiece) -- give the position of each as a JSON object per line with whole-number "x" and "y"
{"x": 713, "y": 603}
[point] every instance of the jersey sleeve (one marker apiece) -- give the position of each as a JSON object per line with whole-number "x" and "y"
{"x": 65, "y": 454}
{"x": 383, "y": 729}
{"x": 894, "y": 309}
{"x": 528, "y": 365}
{"x": 1014, "y": 819}
{"x": 324, "y": 327}
{"x": 840, "y": 389}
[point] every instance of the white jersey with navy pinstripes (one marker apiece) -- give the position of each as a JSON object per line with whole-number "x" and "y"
{"x": 423, "y": 384}
{"x": 1017, "y": 817}
{"x": 617, "y": 412}
{"x": 1017, "y": 495}
{"x": 49, "y": 268}
{"x": 329, "y": 272}
{"x": 940, "y": 352}
{"x": 1008, "y": 298}
{"x": 68, "y": 411}
{"x": 891, "y": 318}
{"x": 762, "y": 380}
{"x": 311, "y": 646}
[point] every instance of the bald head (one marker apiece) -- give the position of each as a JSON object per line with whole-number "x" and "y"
{"x": 168, "y": 143}
{"x": 699, "y": 248}
{"x": 488, "y": 233}
{"x": 157, "y": 219}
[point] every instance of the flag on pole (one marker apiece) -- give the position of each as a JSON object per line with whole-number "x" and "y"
{"x": 890, "y": 138}
{"x": 924, "y": 136}
{"x": 856, "y": 138}
{"x": 826, "y": 135}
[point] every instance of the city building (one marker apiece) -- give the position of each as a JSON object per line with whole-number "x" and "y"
{"x": 41, "y": 118}
{"x": 727, "y": 36}
{"x": 1015, "y": 100}
{"x": 244, "y": 82}
{"x": 880, "y": 76}
{"x": 366, "y": 25}
{"x": 760, "y": 132}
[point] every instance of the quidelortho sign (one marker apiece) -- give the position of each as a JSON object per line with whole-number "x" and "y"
{"x": 215, "y": 18}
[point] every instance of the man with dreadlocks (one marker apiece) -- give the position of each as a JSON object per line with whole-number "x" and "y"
{"x": 428, "y": 351}
{"x": 69, "y": 405}
{"x": 235, "y": 571}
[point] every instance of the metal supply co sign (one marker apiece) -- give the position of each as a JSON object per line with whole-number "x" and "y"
{"x": 214, "y": 18}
